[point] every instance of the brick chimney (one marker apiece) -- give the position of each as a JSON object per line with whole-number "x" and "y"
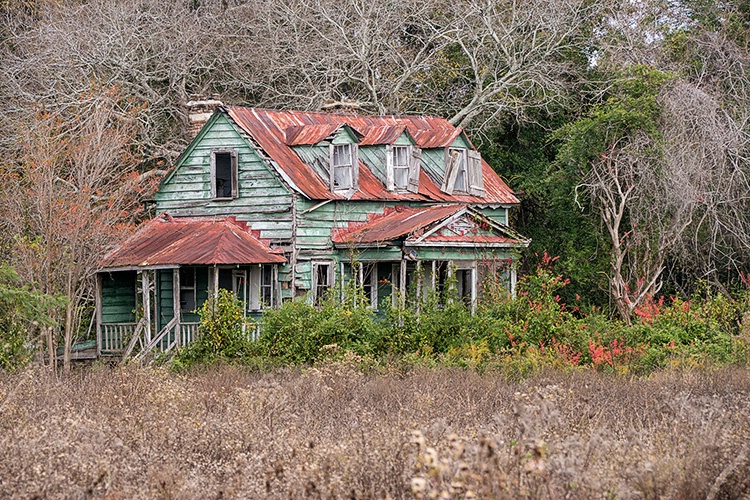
{"x": 199, "y": 111}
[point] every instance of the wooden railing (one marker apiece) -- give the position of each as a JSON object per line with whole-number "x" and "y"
{"x": 188, "y": 333}
{"x": 114, "y": 336}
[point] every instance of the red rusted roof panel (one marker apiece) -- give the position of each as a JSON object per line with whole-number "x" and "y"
{"x": 309, "y": 134}
{"x": 393, "y": 224}
{"x": 192, "y": 241}
{"x": 269, "y": 129}
{"x": 387, "y": 134}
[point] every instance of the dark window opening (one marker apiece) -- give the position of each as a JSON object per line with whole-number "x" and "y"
{"x": 225, "y": 279}
{"x": 187, "y": 289}
{"x": 464, "y": 285}
{"x": 322, "y": 281}
{"x": 224, "y": 177}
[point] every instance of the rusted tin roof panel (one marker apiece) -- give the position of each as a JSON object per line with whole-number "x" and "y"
{"x": 274, "y": 130}
{"x": 166, "y": 241}
{"x": 386, "y": 134}
{"x": 394, "y": 224}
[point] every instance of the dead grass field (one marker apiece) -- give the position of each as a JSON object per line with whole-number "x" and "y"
{"x": 335, "y": 432}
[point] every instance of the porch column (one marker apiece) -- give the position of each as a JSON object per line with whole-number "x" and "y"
{"x": 145, "y": 285}
{"x": 418, "y": 293}
{"x": 176, "y": 305}
{"x": 402, "y": 282}
{"x": 98, "y": 300}
{"x": 474, "y": 288}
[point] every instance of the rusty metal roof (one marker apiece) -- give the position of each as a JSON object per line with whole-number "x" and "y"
{"x": 273, "y": 130}
{"x": 387, "y": 134}
{"x": 168, "y": 241}
{"x": 393, "y": 224}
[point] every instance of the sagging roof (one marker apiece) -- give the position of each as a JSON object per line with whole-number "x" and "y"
{"x": 277, "y": 131}
{"x": 424, "y": 226}
{"x": 393, "y": 225}
{"x": 167, "y": 241}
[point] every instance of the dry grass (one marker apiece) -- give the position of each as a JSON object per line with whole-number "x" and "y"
{"x": 335, "y": 432}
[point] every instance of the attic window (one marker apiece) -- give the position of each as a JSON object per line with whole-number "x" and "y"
{"x": 463, "y": 172}
{"x": 344, "y": 174}
{"x": 224, "y": 174}
{"x": 402, "y": 169}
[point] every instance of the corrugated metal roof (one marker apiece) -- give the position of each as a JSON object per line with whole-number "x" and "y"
{"x": 269, "y": 129}
{"x": 387, "y": 134}
{"x": 393, "y": 224}
{"x": 166, "y": 241}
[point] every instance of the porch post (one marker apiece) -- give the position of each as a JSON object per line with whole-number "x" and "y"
{"x": 474, "y": 288}
{"x": 98, "y": 300}
{"x": 145, "y": 285}
{"x": 176, "y": 305}
{"x": 418, "y": 293}
{"x": 402, "y": 283}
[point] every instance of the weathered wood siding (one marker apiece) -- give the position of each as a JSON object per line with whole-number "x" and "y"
{"x": 119, "y": 297}
{"x": 263, "y": 201}
{"x": 165, "y": 298}
{"x": 497, "y": 214}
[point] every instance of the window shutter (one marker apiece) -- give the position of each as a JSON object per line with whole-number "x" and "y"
{"x": 235, "y": 174}
{"x": 354, "y": 149}
{"x": 330, "y": 164}
{"x": 389, "y": 182}
{"x": 254, "y": 288}
{"x": 452, "y": 161}
{"x": 476, "y": 180}
{"x": 414, "y": 168}
{"x": 212, "y": 173}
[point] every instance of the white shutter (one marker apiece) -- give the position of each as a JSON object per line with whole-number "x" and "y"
{"x": 389, "y": 167}
{"x": 354, "y": 149}
{"x": 476, "y": 179}
{"x": 254, "y": 289}
{"x": 414, "y": 168}
{"x": 330, "y": 165}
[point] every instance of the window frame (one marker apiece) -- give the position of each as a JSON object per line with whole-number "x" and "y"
{"x": 188, "y": 288}
{"x": 452, "y": 168}
{"x": 257, "y": 284}
{"x": 352, "y": 166}
{"x": 234, "y": 173}
{"x": 316, "y": 295}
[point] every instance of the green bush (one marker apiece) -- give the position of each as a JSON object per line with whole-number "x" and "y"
{"x": 224, "y": 333}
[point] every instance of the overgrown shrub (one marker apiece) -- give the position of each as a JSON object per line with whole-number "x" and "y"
{"x": 224, "y": 333}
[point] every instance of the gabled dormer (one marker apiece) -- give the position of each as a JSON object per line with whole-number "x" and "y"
{"x": 334, "y": 150}
{"x": 463, "y": 168}
{"x": 398, "y": 154}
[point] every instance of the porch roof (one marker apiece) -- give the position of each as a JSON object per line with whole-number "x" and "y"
{"x": 168, "y": 241}
{"x": 394, "y": 224}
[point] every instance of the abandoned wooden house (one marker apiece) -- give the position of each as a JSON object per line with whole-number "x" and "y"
{"x": 275, "y": 205}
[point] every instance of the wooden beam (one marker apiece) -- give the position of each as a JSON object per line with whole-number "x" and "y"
{"x": 176, "y": 305}
{"x": 145, "y": 285}
{"x": 98, "y": 300}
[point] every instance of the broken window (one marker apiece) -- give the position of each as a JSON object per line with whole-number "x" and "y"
{"x": 322, "y": 280}
{"x": 224, "y": 174}
{"x": 463, "y": 172}
{"x": 402, "y": 168}
{"x": 366, "y": 278}
{"x": 343, "y": 166}
{"x": 262, "y": 287}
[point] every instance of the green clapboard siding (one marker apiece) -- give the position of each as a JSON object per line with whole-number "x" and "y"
{"x": 118, "y": 297}
{"x": 262, "y": 198}
{"x": 497, "y": 214}
{"x": 166, "y": 298}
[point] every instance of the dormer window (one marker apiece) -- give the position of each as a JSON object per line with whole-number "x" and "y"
{"x": 344, "y": 174}
{"x": 463, "y": 172}
{"x": 403, "y": 163}
{"x": 224, "y": 185}
{"x": 400, "y": 157}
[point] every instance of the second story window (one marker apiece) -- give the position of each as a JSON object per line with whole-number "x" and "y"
{"x": 343, "y": 166}
{"x": 224, "y": 174}
{"x": 400, "y": 157}
{"x": 463, "y": 172}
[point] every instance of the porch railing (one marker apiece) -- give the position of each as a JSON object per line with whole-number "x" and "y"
{"x": 128, "y": 338}
{"x": 115, "y": 335}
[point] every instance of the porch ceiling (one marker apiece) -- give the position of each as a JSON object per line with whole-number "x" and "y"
{"x": 166, "y": 241}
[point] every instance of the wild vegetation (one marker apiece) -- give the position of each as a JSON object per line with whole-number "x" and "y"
{"x": 335, "y": 431}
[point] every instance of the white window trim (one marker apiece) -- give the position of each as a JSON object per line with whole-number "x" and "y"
{"x": 413, "y": 166}
{"x": 255, "y": 285}
{"x": 234, "y": 172}
{"x": 331, "y": 275}
{"x": 373, "y": 298}
{"x": 353, "y": 166}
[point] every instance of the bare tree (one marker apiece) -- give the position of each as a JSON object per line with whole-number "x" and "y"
{"x": 66, "y": 199}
